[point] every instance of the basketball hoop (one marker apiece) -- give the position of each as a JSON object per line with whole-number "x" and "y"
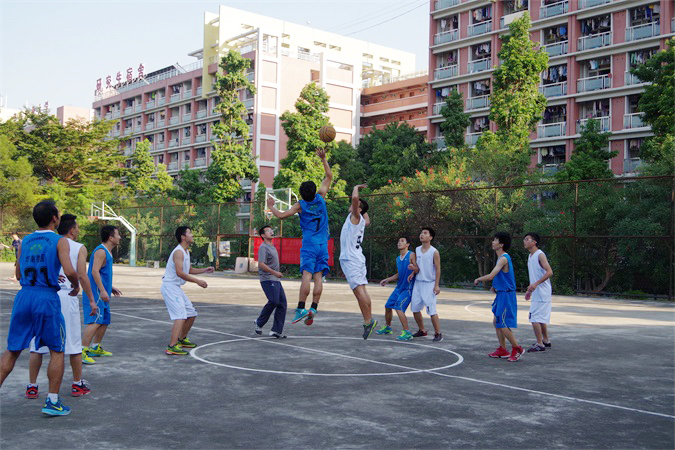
{"x": 93, "y": 218}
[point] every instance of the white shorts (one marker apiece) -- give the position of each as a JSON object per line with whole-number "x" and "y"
{"x": 355, "y": 271}
{"x": 540, "y": 312}
{"x": 70, "y": 308}
{"x": 179, "y": 306}
{"x": 423, "y": 296}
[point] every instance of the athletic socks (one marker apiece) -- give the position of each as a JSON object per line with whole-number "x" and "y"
{"x": 315, "y": 306}
{"x": 301, "y": 305}
{"x": 79, "y": 382}
{"x": 30, "y": 385}
{"x": 54, "y": 398}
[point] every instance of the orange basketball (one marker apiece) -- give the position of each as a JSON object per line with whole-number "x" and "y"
{"x": 327, "y": 133}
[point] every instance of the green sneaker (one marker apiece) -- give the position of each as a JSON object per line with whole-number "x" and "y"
{"x": 86, "y": 359}
{"x": 186, "y": 343}
{"x": 98, "y": 351}
{"x": 384, "y": 330}
{"x": 175, "y": 350}
{"x": 405, "y": 335}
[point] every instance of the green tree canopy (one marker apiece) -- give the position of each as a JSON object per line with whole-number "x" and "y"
{"x": 143, "y": 178}
{"x": 590, "y": 156}
{"x": 455, "y": 120}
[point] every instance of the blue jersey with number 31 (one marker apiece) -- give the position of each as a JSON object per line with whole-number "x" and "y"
{"x": 314, "y": 221}
{"x": 39, "y": 262}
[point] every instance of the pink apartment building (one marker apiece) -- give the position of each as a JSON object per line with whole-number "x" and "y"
{"x": 591, "y": 44}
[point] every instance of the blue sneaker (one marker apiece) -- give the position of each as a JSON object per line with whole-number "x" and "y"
{"x": 405, "y": 335}
{"x": 310, "y": 316}
{"x": 300, "y": 314}
{"x": 384, "y": 330}
{"x": 58, "y": 409}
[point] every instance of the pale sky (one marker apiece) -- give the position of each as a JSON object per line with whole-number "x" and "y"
{"x": 56, "y": 50}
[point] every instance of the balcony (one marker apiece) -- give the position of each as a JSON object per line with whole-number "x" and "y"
{"x": 108, "y": 116}
{"x": 631, "y": 165}
{"x": 551, "y": 168}
{"x": 200, "y": 138}
{"x": 471, "y": 138}
{"x": 595, "y": 41}
{"x": 556, "y": 49}
{"x": 547, "y": 130}
{"x": 440, "y": 143}
{"x": 174, "y": 98}
{"x": 591, "y": 3}
{"x": 480, "y": 28}
{"x": 160, "y": 123}
{"x": 150, "y": 104}
{"x": 149, "y": 126}
{"x": 604, "y": 124}
{"x": 174, "y": 120}
{"x": 128, "y": 110}
{"x": 480, "y": 65}
{"x": 200, "y": 162}
{"x": 128, "y": 151}
{"x": 116, "y": 133}
{"x": 643, "y": 31}
{"x": 630, "y": 79}
{"x": 160, "y": 146}
{"x": 173, "y": 143}
{"x": 477, "y": 102}
{"x": 445, "y": 72}
{"x": 187, "y": 93}
{"x": 137, "y": 129}
{"x": 633, "y": 121}
{"x": 116, "y": 114}
{"x": 248, "y": 103}
{"x": 447, "y": 36}
{"x": 506, "y": 20}
{"x": 201, "y": 114}
{"x": 672, "y": 25}
{"x": 437, "y": 108}
{"x": 173, "y": 165}
{"x": 214, "y": 111}
{"x": 199, "y": 91}
{"x": 187, "y": 117}
{"x": 138, "y": 107}
{"x": 554, "y": 9}
{"x": 161, "y": 101}
{"x": 442, "y": 4}
{"x": 250, "y": 76}
{"x": 594, "y": 83}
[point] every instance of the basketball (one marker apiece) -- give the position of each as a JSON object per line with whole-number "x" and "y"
{"x": 327, "y": 133}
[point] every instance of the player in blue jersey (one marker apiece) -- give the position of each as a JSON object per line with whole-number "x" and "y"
{"x": 37, "y": 309}
{"x": 100, "y": 277}
{"x": 400, "y": 298}
{"x": 314, "y": 252}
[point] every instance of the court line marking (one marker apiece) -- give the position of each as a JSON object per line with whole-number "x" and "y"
{"x": 531, "y": 391}
{"x": 477, "y": 313}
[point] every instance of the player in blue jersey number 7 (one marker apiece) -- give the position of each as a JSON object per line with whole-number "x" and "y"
{"x": 314, "y": 251}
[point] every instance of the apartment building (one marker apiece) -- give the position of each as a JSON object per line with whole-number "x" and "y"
{"x": 592, "y": 44}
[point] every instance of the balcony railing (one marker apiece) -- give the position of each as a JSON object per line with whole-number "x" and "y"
{"x": 200, "y": 162}
{"x": 633, "y": 120}
{"x": 187, "y": 117}
{"x": 173, "y": 165}
{"x": 480, "y": 28}
{"x": 116, "y": 133}
{"x": 595, "y": 41}
{"x": 161, "y": 101}
{"x": 672, "y": 25}
{"x": 556, "y": 49}
{"x": 591, "y": 3}
{"x": 546, "y": 130}
{"x": 128, "y": 151}
{"x": 477, "y": 102}
{"x": 643, "y": 31}
{"x": 471, "y": 138}
{"x": 480, "y": 65}
{"x": 128, "y": 110}
{"x": 138, "y": 108}
{"x": 173, "y": 143}
{"x": 174, "y": 98}
{"x": 445, "y": 72}
{"x": 440, "y": 142}
{"x": 108, "y": 116}
{"x": 187, "y": 93}
{"x": 214, "y": 111}
{"x": 551, "y": 168}
{"x": 604, "y": 123}
{"x": 150, "y": 125}
{"x": 200, "y": 138}
{"x": 174, "y": 120}
{"x": 160, "y": 145}
{"x": 201, "y": 114}
{"x": 442, "y": 4}
{"x": 437, "y": 108}
{"x": 160, "y": 123}
{"x": 554, "y": 9}
{"x": 631, "y": 165}
{"x": 594, "y": 83}
{"x": 248, "y": 103}
{"x": 506, "y": 20}
{"x": 250, "y": 76}
{"x": 446, "y": 36}
{"x": 116, "y": 114}
{"x": 137, "y": 129}
{"x": 630, "y": 79}
{"x": 199, "y": 91}
{"x": 150, "y": 104}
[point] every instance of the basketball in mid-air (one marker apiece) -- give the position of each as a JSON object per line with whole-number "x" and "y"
{"x": 327, "y": 133}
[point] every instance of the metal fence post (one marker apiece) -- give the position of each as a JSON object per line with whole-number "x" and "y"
{"x": 574, "y": 238}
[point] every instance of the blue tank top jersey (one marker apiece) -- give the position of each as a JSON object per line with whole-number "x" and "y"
{"x": 403, "y": 272}
{"x": 39, "y": 260}
{"x": 106, "y": 271}
{"x": 505, "y": 281}
{"x": 314, "y": 221}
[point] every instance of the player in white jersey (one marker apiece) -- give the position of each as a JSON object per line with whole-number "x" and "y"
{"x": 539, "y": 291}
{"x": 352, "y": 260}
{"x": 426, "y": 267}
{"x": 181, "y": 310}
{"x": 70, "y": 308}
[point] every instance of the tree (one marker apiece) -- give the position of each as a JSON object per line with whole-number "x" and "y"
{"x": 232, "y": 157}
{"x": 455, "y": 120}
{"x": 189, "y": 186}
{"x": 590, "y": 156}
{"x": 143, "y": 178}
{"x": 18, "y": 186}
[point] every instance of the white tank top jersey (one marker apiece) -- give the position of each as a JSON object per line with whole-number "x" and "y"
{"x": 543, "y": 291}
{"x": 351, "y": 239}
{"x": 170, "y": 272}
{"x": 425, "y": 261}
{"x": 74, "y": 251}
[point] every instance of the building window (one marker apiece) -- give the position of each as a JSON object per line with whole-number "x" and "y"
{"x": 554, "y": 74}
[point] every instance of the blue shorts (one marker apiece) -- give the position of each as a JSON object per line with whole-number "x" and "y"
{"x": 103, "y": 315}
{"x": 399, "y": 299}
{"x": 36, "y": 313}
{"x": 314, "y": 258}
{"x": 505, "y": 309}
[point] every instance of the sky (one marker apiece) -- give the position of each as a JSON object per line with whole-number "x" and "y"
{"x": 54, "y": 51}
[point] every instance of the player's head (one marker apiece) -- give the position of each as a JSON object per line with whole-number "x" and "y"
{"x": 110, "y": 233}
{"x": 15, "y": 235}
{"x": 502, "y": 240}
{"x": 427, "y": 234}
{"x": 67, "y": 225}
{"x": 266, "y": 232}
{"x": 363, "y": 207}
{"x": 46, "y": 213}
{"x": 308, "y": 191}
{"x": 404, "y": 242}
{"x": 184, "y": 234}
{"x": 531, "y": 240}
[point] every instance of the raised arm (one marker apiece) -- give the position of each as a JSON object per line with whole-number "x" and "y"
{"x": 355, "y": 204}
{"x": 325, "y": 185}
{"x": 499, "y": 266}
{"x": 295, "y": 209}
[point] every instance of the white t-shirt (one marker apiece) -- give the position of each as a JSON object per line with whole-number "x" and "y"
{"x": 425, "y": 262}
{"x": 351, "y": 239}
{"x": 543, "y": 291}
{"x": 74, "y": 252}
{"x": 170, "y": 272}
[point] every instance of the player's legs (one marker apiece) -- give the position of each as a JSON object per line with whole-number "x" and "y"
{"x": 419, "y": 320}
{"x": 76, "y": 366}
{"x": 176, "y": 330}
{"x": 100, "y": 332}
{"x": 88, "y": 334}
{"x": 435, "y": 321}
{"x": 536, "y": 327}
{"x": 508, "y": 334}
{"x": 388, "y": 314}
{"x": 55, "y": 371}
{"x": 187, "y": 326}
{"x": 544, "y": 333}
{"x": 34, "y": 364}
{"x": 403, "y": 319}
{"x": 280, "y": 312}
{"x": 500, "y": 334}
{"x": 318, "y": 286}
{"x": 7, "y": 364}
{"x": 363, "y": 299}
{"x": 305, "y": 287}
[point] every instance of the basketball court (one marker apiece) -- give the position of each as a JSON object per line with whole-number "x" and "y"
{"x": 607, "y": 381}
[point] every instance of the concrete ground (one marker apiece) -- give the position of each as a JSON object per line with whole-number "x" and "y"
{"x": 607, "y": 382}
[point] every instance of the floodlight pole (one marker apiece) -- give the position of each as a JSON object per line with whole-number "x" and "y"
{"x": 104, "y": 212}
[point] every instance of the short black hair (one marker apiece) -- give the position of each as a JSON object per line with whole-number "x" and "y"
{"x": 363, "y": 205}
{"x": 504, "y": 238}
{"x": 407, "y": 238}
{"x": 308, "y": 191}
{"x": 67, "y": 223}
{"x": 431, "y": 231}
{"x": 43, "y": 213}
{"x": 107, "y": 232}
{"x": 180, "y": 232}
{"x": 261, "y": 230}
{"x": 535, "y": 238}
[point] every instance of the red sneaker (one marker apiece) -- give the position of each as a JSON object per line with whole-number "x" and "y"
{"x": 79, "y": 390}
{"x": 420, "y": 333}
{"x": 516, "y": 353}
{"x": 32, "y": 392}
{"x": 501, "y": 352}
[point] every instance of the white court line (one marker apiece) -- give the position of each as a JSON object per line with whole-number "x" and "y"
{"x": 531, "y": 391}
{"x": 477, "y": 313}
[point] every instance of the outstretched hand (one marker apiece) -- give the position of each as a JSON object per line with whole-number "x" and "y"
{"x": 270, "y": 201}
{"x": 321, "y": 153}
{"x": 361, "y": 186}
